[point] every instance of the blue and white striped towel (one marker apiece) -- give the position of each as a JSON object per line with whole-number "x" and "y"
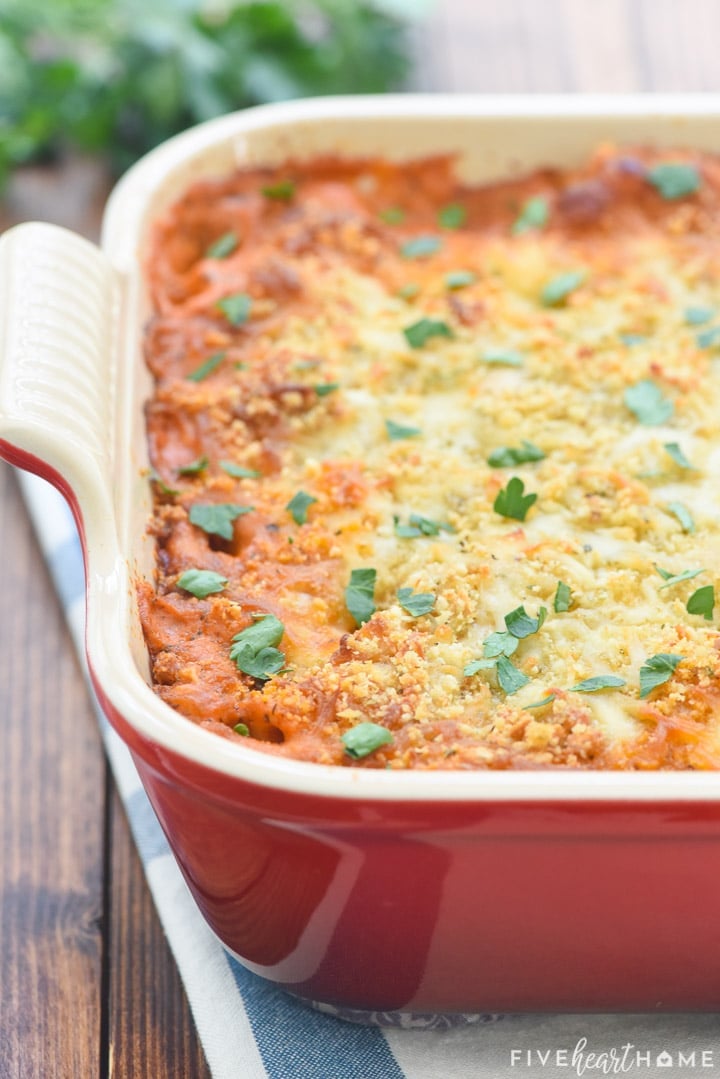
{"x": 250, "y": 1030}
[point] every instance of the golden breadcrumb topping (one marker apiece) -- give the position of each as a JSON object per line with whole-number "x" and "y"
{"x": 436, "y": 466}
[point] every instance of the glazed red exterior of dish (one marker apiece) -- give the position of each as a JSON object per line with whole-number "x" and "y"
{"x": 490, "y": 902}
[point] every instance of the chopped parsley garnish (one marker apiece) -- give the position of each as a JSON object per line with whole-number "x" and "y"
{"x": 500, "y": 643}
{"x": 563, "y": 598}
{"x": 242, "y": 729}
{"x": 511, "y": 502}
{"x": 322, "y": 389}
{"x": 683, "y": 515}
{"x": 236, "y": 307}
{"x": 598, "y": 682}
{"x": 452, "y": 216}
{"x": 364, "y": 739}
{"x": 420, "y": 526}
{"x": 298, "y": 506}
{"x": 476, "y": 665}
{"x": 533, "y": 215}
{"x": 656, "y": 670}
{"x": 194, "y": 467}
{"x": 676, "y": 578}
{"x": 509, "y": 456}
{"x": 505, "y": 357}
{"x": 397, "y": 431}
{"x": 408, "y": 291}
{"x": 161, "y": 485}
{"x": 393, "y": 215}
{"x": 557, "y": 290}
{"x": 695, "y": 316}
{"x": 207, "y": 367}
{"x": 223, "y": 246}
{"x": 201, "y": 582}
{"x": 509, "y": 677}
{"x": 420, "y": 247}
{"x": 282, "y": 191}
{"x": 674, "y": 179}
{"x": 460, "y": 278}
{"x": 239, "y": 471}
{"x": 419, "y": 333}
{"x": 360, "y": 595}
{"x": 646, "y": 401}
{"x": 521, "y": 624}
{"x": 708, "y": 338}
{"x": 631, "y": 339}
{"x": 674, "y": 450}
{"x": 253, "y": 650}
{"x": 416, "y": 603}
{"x": 702, "y": 601}
{"x": 217, "y": 518}
{"x": 540, "y": 704}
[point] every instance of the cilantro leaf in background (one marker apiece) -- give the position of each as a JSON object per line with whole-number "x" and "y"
{"x": 695, "y": 316}
{"x": 201, "y": 582}
{"x": 557, "y": 290}
{"x": 505, "y": 357}
{"x": 674, "y": 179}
{"x": 224, "y": 246}
{"x": 114, "y": 78}
{"x": 298, "y": 506}
{"x": 702, "y": 601}
{"x": 253, "y": 649}
{"x": 452, "y": 216}
{"x": 648, "y": 404}
{"x": 420, "y": 332}
{"x": 675, "y": 451}
{"x": 511, "y": 502}
{"x": 598, "y": 682}
{"x": 216, "y": 518}
{"x": 708, "y": 338}
{"x": 397, "y": 432}
{"x": 459, "y": 279}
{"x": 207, "y": 367}
{"x": 656, "y": 670}
{"x": 360, "y": 594}
{"x": 416, "y": 603}
{"x": 282, "y": 191}
{"x": 683, "y": 515}
{"x": 364, "y": 739}
{"x": 194, "y": 467}
{"x": 235, "y": 307}
{"x": 420, "y": 247}
{"x": 239, "y": 472}
{"x": 509, "y": 456}
{"x": 533, "y": 215}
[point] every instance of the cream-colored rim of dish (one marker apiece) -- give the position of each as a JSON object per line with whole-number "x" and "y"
{"x": 162, "y": 174}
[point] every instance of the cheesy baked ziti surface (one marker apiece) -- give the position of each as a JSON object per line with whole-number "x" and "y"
{"x": 435, "y": 467}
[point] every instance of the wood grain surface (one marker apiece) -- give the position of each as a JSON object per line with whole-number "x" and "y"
{"x": 87, "y": 985}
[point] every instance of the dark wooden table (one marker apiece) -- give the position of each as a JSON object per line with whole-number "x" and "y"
{"x": 87, "y": 985}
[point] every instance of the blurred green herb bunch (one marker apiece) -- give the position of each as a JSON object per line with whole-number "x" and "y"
{"x": 116, "y": 77}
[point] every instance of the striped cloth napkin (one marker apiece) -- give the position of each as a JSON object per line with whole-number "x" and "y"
{"x": 251, "y": 1030}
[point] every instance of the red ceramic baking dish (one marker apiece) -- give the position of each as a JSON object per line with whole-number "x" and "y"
{"x": 359, "y": 888}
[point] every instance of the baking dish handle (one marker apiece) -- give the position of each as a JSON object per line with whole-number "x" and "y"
{"x": 59, "y": 300}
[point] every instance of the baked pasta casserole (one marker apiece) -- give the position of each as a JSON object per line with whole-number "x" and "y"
{"x": 435, "y": 466}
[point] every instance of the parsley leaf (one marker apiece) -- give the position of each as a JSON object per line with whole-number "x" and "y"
{"x": 242, "y": 729}
{"x": 508, "y": 456}
{"x": 416, "y": 603}
{"x": 161, "y": 485}
{"x": 645, "y": 400}
{"x": 509, "y": 677}
{"x": 408, "y": 291}
{"x": 201, "y": 582}
{"x": 702, "y": 601}
{"x": 674, "y": 450}
{"x": 708, "y": 337}
{"x": 511, "y": 502}
{"x": 598, "y": 682}
{"x": 674, "y": 179}
{"x": 557, "y": 290}
{"x": 223, "y": 246}
{"x": 210, "y": 364}
{"x": 360, "y": 595}
{"x": 500, "y": 643}
{"x": 563, "y": 598}
{"x": 397, "y": 432}
{"x": 298, "y": 506}
{"x": 540, "y": 704}
{"x": 281, "y": 191}
{"x": 521, "y": 624}
{"x": 364, "y": 739}
{"x": 253, "y": 650}
{"x": 656, "y": 670}
{"x": 216, "y": 518}
{"x": 676, "y": 578}
{"x": 420, "y": 332}
{"x": 393, "y": 215}
{"x": 533, "y": 215}
{"x": 476, "y": 665}
{"x": 420, "y": 526}
{"x": 239, "y": 471}
{"x": 236, "y": 307}
{"x": 683, "y": 515}
{"x": 194, "y": 467}
{"x": 322, "y": 389}
{"x": 507, "y": 357}
{"x": 459, "y": 279}
{"x": 420, "y": 247}
{"x": 452, "y": 216}
{"x": 695, "y": 316}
